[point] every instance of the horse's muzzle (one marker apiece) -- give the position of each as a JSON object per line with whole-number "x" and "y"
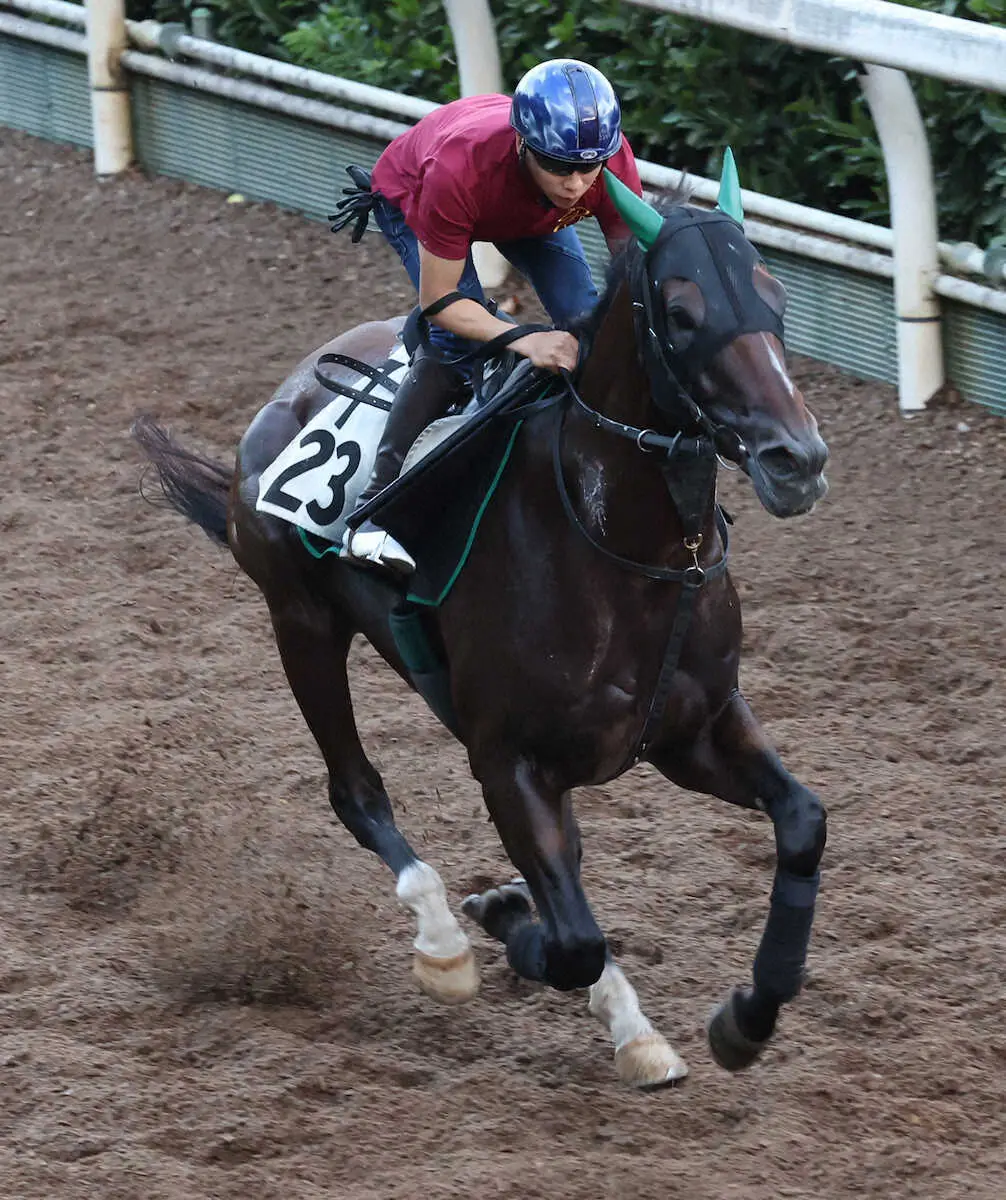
{"x": 788, "y": 473}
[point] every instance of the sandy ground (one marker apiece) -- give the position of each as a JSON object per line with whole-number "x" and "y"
{"x": 204, "y": 983}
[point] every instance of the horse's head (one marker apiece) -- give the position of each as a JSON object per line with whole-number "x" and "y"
{"x": 710, "y": 330}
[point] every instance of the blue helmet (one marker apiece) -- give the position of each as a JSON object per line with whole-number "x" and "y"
{"x": 567, "y": 110}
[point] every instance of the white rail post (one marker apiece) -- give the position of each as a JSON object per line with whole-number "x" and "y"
{"x": 913, "y": 224}
{"x": 110, "y": 115}
{"x": 479, "y": 71}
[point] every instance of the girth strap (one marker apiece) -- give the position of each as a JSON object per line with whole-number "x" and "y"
{"x": 672, "y": 656}
{"x": 376, "y": 375}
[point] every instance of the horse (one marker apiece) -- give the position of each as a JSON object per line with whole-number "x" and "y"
{"x": 615, "y": 639}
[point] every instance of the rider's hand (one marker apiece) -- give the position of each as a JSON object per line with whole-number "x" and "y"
{"x": 552, "y": 350}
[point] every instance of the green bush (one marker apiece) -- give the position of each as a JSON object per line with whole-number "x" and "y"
{"x": 255, "y": 25}
{"x": 797, "y": 121}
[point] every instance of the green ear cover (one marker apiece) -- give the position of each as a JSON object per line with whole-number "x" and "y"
{"x": 729, "y": 198}
{"x": 642, "y": 218}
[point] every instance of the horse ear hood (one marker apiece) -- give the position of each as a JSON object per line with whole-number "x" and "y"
{"x": 729, "y": 198}
{"x": 642, "y": 218}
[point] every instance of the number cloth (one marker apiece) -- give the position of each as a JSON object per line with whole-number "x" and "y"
{"x": 314, "y": 481}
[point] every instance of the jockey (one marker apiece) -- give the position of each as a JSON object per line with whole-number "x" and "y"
{"x": 519, "y": 173}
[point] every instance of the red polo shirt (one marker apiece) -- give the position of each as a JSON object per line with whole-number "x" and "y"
{"x": 457, "y": 179}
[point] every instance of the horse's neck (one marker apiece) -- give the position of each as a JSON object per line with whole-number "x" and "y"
{"x": 621, "y": 491}
{"x": 614, "y": 382}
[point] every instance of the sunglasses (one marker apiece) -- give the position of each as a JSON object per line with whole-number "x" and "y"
{"x": 555, "y": 166}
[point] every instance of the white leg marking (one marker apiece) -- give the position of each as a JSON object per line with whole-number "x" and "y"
{"x": 439, "y": 935}
{"x": 643, "y": 1057}
{"x": 614, "y": 1002}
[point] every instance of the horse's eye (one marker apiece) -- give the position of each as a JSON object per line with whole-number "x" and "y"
{"x": 682, "y": 319}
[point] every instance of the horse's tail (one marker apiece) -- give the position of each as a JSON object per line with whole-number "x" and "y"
{"x": 197, "y": 487}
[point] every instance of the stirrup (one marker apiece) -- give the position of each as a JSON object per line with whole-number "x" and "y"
{"x": 376, "y": 546}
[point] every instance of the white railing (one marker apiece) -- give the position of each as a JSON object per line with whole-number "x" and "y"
{"x": 944, "y": 47}
{"x": 873, "y": 31}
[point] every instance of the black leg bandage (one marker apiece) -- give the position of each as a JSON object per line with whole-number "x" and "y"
{"x": 779, "y": 963}
{"x": 525, "y": 950}
{"x": 563, "y": 967}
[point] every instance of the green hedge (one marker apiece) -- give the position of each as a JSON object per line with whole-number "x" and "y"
{"x": 796, "y": 120}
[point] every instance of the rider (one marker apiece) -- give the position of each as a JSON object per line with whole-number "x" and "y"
{"x": 518, "y": 173}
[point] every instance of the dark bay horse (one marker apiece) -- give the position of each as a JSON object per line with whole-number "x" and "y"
{"x": 594, "y": 625}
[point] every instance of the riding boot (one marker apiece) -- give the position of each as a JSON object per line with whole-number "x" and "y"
{"x": 425, "y": 394}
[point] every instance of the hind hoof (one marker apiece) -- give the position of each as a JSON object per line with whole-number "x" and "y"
{"x": 648, "y": 1062}
{"x": 731, "y": 1049}
{"x": 498, "y": 909}
{"x": 449, "y": 980}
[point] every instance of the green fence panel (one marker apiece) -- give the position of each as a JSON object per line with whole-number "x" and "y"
{"x": 44, "y": 91}
{"x": 974, "y": 343}
{"x": 224, "y": 144}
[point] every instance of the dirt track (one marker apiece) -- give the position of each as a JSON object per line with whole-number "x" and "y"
{"x": 204, "y": 984}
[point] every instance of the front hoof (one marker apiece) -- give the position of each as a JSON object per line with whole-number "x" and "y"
{"x": 731, "y": 1049}
{"x": 648, "y": 1062}
{"x": 449, "y": 980}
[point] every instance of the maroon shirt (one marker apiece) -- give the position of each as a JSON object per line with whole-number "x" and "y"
{"x": 457, "y": 179}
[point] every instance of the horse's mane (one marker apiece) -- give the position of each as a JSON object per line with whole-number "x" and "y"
{"x": 588, "y": 325}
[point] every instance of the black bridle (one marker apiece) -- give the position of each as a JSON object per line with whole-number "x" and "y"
{"x": 691, "y": 243}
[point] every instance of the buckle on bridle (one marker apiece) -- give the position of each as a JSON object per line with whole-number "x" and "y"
{"x": 694, "y": 575}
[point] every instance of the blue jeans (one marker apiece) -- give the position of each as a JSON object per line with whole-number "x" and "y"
{"x": 554, "y": 265}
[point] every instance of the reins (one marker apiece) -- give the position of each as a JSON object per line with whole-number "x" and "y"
{"x": 481, "y": 354}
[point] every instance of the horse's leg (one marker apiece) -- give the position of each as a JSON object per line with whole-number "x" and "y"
{"x": 313, "y": 644}
{"x": 565, "y": 948}
{"x": 734, "y": 759}
{"x": 643, "y": 1057}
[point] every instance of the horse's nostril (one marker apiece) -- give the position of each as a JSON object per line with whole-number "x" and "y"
{"x": 793, "y": 460}
{"x": 782, "y": 463}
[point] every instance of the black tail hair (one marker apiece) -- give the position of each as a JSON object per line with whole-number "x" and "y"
{"x": 197, "y": 487}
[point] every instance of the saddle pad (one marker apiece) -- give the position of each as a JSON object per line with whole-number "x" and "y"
{"x": 314, "y": 481}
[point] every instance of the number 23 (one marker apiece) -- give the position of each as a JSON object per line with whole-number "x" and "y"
{"x": 321, "y": 514}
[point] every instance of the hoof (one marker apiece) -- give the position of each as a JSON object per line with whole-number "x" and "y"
{"x": 648, "y": 1062}
{"x": 449, "y": 980}
{"x": 496, "y": 910}
{"x": 731, "y": 1049}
